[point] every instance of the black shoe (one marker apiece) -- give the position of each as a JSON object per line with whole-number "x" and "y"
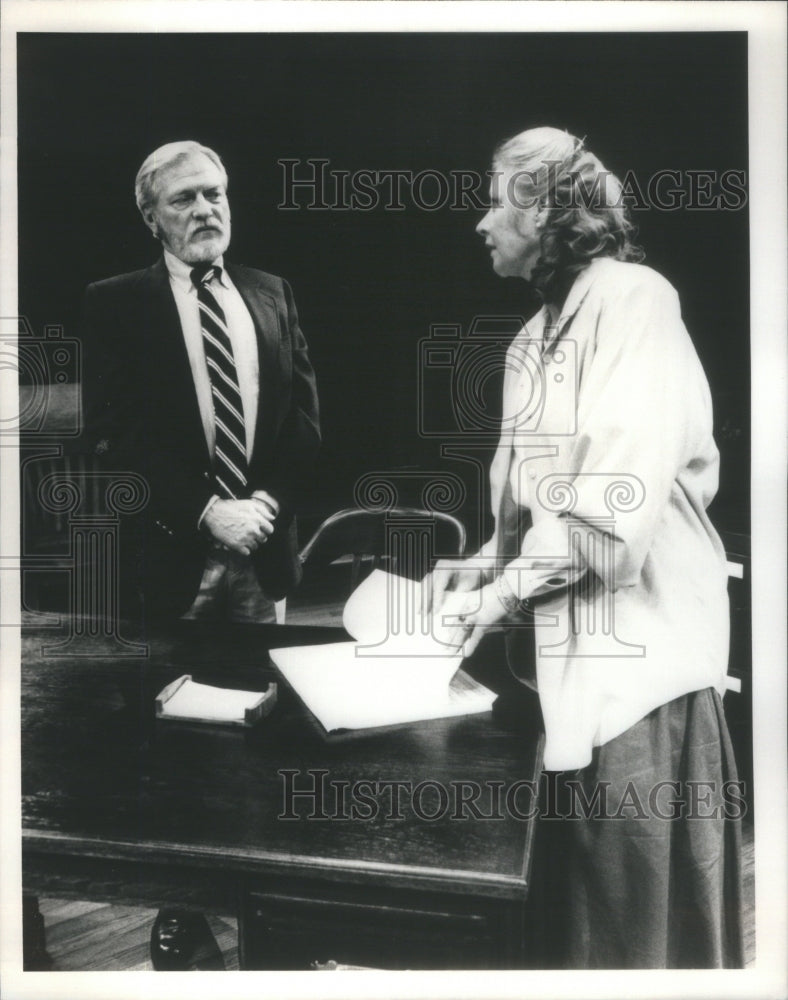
{"x": 182, "y": 941}
{"x": 35, "y": 956}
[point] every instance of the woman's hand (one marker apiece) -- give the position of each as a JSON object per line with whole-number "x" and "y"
{"x": 472, "y": 614}
{"x": 449, "y": 575}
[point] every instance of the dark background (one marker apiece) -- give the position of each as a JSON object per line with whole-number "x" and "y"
{"x": 370, "y": 284}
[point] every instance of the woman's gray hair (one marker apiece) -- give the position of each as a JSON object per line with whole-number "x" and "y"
{"x": 585, "y": 213}
{"x": 163, "y": 157}
{"x": 535, "y": 158}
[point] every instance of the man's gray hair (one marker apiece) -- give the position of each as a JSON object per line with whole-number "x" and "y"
{"x": 160, "y": 159}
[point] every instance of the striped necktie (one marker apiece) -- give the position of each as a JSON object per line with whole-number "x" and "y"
{"x": 230, "y": 468}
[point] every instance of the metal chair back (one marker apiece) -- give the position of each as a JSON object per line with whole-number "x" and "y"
{"x": 404, "y": 540}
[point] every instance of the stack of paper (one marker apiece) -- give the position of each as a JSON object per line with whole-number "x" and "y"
{"x": 398, "y": 670}
{"x": 186, "y": 700}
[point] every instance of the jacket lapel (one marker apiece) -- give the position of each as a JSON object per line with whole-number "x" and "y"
{"x": 168, "y": 360}
{"x": 262, "y": 308}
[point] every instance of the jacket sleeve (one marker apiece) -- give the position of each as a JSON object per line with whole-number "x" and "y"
{"x": 112, "y": 427}
{"x": 644, "y": 415}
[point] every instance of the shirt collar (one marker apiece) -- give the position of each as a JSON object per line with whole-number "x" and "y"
{"x": 579, "y": 289}
{"x": 580, "y": 286}
{"x": 181, "y": 273}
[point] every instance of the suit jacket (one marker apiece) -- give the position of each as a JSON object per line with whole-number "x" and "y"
{"x": 141, "y": 414}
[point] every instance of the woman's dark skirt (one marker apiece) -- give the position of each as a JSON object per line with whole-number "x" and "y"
{"x": 651, "y": 845}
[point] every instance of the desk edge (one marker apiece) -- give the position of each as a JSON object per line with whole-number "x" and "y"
{"x": 265, "y": 863}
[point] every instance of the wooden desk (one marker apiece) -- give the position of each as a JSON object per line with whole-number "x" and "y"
{"x": 120, "y": 807}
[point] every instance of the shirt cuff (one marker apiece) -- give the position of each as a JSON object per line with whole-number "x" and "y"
{"x": 526, "y": 583}
{"x": 507, "y": 598}
{"x": 207, "y": 507}
{"x": 266, "y": 498}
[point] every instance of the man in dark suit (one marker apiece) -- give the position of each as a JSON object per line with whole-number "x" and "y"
{"x": 197, "y": 377}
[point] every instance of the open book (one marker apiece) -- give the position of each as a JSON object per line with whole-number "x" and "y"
{"x": 398, "y": 670}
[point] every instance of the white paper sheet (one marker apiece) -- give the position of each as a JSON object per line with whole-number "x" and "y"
{"x": 201, "y": 701}
{"x": 347, "y": 692}
{"x": 398, "y": 671}
{"x": 385, "y": 611}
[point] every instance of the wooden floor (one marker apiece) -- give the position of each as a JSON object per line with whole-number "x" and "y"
{"x": 96, "y": 937}
{"x": 84, "y": 936}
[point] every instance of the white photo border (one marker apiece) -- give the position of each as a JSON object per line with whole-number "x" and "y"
{"x": 766, "y": 26}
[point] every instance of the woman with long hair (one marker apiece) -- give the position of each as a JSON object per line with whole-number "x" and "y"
{"x": 604, "y": 569}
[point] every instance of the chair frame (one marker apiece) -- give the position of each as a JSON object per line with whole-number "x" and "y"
{"x": 393, "y": 514}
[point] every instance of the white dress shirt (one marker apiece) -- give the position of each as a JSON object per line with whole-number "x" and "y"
{"x": 607, "y": 441}
{"x": 241, "y": 331}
